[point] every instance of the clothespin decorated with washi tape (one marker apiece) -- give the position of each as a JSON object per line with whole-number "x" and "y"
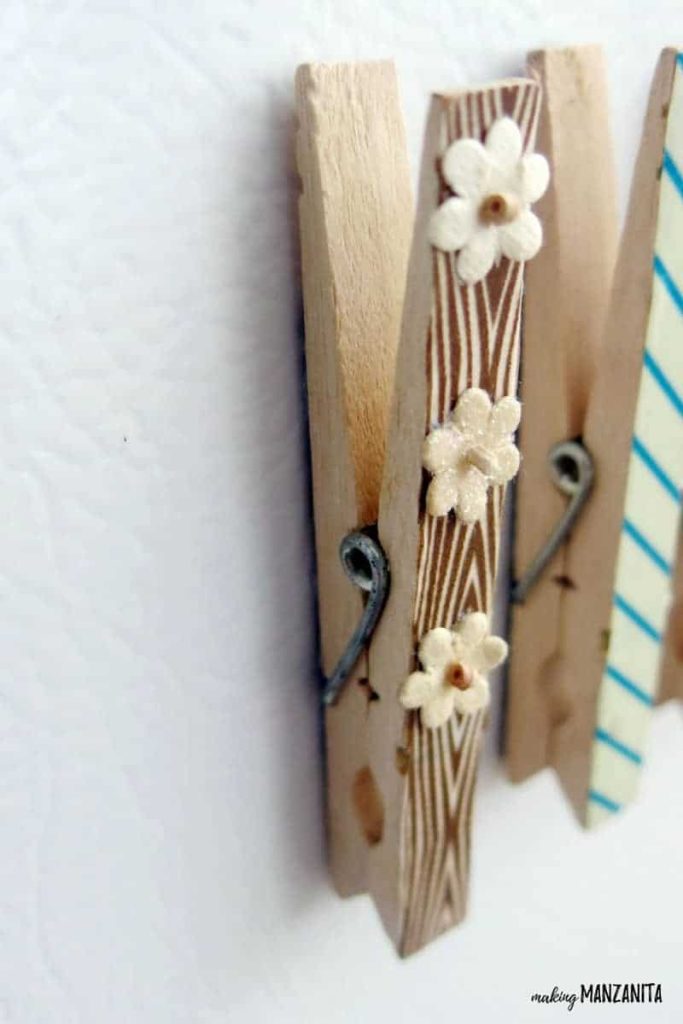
{"x": 412, "y": 381}
{"x": 598, "y": 501}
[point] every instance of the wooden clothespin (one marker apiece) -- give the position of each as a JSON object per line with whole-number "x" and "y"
{"x": 356, "y": 220}
{"x": 586, "y": 638}
{"x": 403, "y": 733}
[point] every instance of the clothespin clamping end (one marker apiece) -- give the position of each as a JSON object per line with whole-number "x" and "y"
{"x": 603, "y": 387}
{"x": 404, "y": 722}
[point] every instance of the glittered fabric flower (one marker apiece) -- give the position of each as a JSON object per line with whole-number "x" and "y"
{"x": 454, "y": 662}
{"x": 471, "y": 451}
{"x": 489, "y": 216}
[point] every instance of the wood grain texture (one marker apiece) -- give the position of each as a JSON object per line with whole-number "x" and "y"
{"x": 453, "y": 337}
{"x": 356, "y": 222}
{"x": 587, "y": 608}
{"x": 566, "y": 295}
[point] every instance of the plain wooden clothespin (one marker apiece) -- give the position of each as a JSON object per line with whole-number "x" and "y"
{"x": 356, "y": 220}
{"x": 586, "y": 639}
{"x": 399, "y": 792}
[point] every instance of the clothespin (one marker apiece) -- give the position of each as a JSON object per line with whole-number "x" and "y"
{"x": 588, "y": 622}
{"x": 356, "y": 220}
{"x": 404, "y": 720}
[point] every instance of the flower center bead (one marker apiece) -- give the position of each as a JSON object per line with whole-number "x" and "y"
{"x": 457, "y": 676}
{"x": 498, "y": 209}
{"x": 480, "y": 458}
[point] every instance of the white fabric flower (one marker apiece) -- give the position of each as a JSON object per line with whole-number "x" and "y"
{"x": 490, "y": 215}
{"x": 471, "y": 451}
{"x": 454, "y": 663}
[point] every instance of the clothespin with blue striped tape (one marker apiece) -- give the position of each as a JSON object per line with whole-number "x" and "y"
{"x": 601, "y": 610}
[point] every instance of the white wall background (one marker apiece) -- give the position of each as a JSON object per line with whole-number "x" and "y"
{"x": 162, "y": 850}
